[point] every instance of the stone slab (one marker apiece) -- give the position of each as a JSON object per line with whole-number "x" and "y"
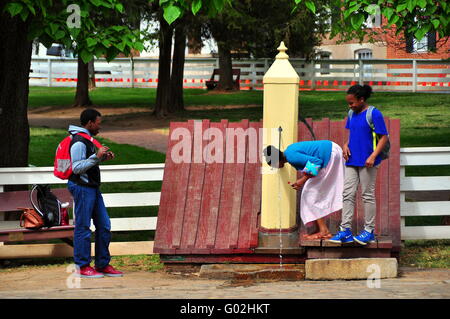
{"x": 350, "y": 269}
{"x": 253, "y": 271}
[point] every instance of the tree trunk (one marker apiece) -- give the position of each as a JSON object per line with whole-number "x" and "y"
{"x": 163, "y": 88}
{"x": 15, "y": 61}
{"x": 176, "y": 102}
{"x": 91, "y": 70}
{"x": 82, "y": 94}
{"x": 225, "y": 68}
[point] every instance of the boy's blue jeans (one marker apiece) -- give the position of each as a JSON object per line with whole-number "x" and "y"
{"x": 89, "y": 205}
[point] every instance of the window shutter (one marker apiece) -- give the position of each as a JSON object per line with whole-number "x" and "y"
{"x": 431, "y": 41}
{"x": 409, "y": 43}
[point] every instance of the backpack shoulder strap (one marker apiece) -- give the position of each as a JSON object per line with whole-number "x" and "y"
{"x": 350, "y": 114}
{"x": 369, "y": 117}
{"x": 90, "y": 138}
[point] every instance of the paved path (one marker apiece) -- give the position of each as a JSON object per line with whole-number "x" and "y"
{"x": 52, "y": 283}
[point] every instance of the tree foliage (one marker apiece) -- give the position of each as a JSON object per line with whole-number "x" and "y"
{"x": 416, "y": 17}
{"x": 90, "y": 27}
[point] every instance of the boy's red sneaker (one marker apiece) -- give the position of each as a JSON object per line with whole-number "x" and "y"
{"x": 89, "y": 272}
{"x": 109, "y": 271}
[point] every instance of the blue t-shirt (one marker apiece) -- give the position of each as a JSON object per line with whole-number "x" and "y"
{"x": 361, "y": 138}
{"x": 317, "y": 152}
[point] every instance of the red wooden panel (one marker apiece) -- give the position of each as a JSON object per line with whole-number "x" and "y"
{"x": 231, "y": 194}
{"x": 303, "y": 132}
{"x": 180, "y": 188}
{"x": 303, "y": 135}
{"x": 337, "y": 135}
{"x": 212, "y": 188}
{"x": 250, "y": 190}
{"x": 194, "y": 191}
{"x": 322, "y": 129}
{"x": 394, "y": 184}
{"x": 168, "y": 201}
{"x": 257, "y": 194}
{"x": 382, "y": 194}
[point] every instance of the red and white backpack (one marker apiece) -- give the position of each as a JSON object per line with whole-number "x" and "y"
{"x": 63, "y": 162}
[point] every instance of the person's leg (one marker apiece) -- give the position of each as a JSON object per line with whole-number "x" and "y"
{"x": 351, "y": 181}
{"x": 368, "y": 176}
{"x": 84, "y": 198}
{"x": 102, "y": 232}
{"x": 323, "y": 228}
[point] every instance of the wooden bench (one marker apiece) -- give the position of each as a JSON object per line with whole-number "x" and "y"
{"x": 10, "y": 201}
{"x": 211, "y": 84}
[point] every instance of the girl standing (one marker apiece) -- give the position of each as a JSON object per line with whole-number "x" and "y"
{"x": 362, "y": 155}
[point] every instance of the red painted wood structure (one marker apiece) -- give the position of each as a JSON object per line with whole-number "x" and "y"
{"x": 209, "y": 210}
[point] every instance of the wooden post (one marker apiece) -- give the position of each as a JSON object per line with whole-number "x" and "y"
{"x": 281, "y": 85}
{"x": 132, "y": 71}
{"x": 49, "y": 72}
{"x": 361, "y": 72}
{"x": 414, "y": 76}
{"x": 313, "y": 74}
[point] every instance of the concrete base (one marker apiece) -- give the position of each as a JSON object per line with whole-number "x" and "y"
{"x": 253, "y": 272}
{"x": 274, "y": 243}
{"x": 348, "y": 269}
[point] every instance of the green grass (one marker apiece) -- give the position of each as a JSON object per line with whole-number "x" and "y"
{"x": 425, "y": 117}
{"x": 426, "y": 254}
{"x": 43, "y": 143}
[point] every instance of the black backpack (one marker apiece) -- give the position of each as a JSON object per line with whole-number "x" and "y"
{"x": 48, "y": 206}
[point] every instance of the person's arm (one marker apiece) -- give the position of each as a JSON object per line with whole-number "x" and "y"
{"x": 80, "y": 164}
{"x": 301, "y": 181}
{"x": 346, "y": 151}
{"x": 381, "y": 143}
{"x": 380, "y": 130}
{"x": 300, "y": 159}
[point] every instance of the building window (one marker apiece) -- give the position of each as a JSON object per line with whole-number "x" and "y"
{"x": 325, "y": 67}
{"x": 426, "y": 44}
{"x": 363, "y": 54}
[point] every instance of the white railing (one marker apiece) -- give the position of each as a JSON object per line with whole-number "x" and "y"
{"x": 424, "y": 156}
{"x": 385, "y": 75}
{"x": 154, "y": 172}
{"x": 110, "y": 173}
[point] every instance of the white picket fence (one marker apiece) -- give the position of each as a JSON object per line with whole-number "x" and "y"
{"x": 424, "y": 156}
{"x": 383, "y": 74}
{"x": 154, "y": 172}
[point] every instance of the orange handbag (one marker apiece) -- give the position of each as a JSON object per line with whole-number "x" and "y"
{"x": 30, "y": 219}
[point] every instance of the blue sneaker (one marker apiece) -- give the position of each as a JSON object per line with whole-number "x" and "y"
{"x": 342, "y": 237}
{"x": 365, "y": 237}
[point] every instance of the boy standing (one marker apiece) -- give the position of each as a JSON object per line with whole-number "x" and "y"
{"x": 84, "y": 185}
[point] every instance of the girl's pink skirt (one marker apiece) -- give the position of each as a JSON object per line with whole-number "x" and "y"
{"x": 322, "y": 195}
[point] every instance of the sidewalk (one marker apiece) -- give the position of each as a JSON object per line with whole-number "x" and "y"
{"x": 52, "y": 283}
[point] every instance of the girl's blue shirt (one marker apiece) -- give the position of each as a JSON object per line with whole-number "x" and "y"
{"x": 361, "y": 138}
{"x": 317, "y": 152}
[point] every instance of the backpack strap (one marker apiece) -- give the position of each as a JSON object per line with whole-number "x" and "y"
{"x": 90, "y": 138}
{"x": 350, "y": 114}
{"x": 369, "y": 117}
